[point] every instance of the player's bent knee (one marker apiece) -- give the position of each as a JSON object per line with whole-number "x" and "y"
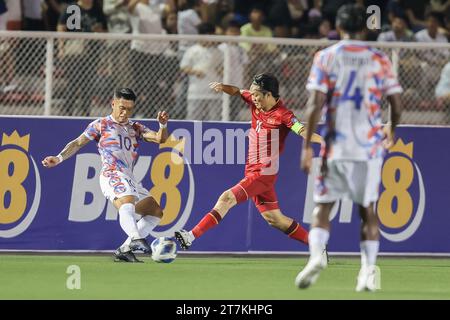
{"x": 159, "y": 213}
{"x": 124, "y": 200}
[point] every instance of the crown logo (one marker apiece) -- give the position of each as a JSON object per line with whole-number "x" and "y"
{"x": 174, "y": 143}
{"x": 401, "y": 147}
{"x": 17, "y": 140}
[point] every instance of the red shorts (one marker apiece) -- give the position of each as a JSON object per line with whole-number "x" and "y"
{"x": 259, "y": 188}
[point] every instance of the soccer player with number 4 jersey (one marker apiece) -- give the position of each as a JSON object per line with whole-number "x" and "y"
{"x": 118, "y": 140}
{"x": 271, "y": 123}
{"x": 349, "y": 79}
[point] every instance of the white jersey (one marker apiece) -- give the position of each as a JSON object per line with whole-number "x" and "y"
{"x": 355, "y": 77}
{"x": 117, "y": 143}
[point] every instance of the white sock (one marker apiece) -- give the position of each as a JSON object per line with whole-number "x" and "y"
{"x": 364, "y": 262}
{"x": 191, "y": 236}
{"x": 371, "y": 250}
{"x": 145, "y": 225}
{"x": 318, "y": 239}
{"x": 127, "y": 221}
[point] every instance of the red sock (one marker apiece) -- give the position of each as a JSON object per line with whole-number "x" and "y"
{"x": 297, "y": 232}
{"x": 210, "y": 220}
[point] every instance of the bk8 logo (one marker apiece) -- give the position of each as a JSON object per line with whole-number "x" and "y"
{"x": 20, "y": 187}
{"x": 401, "y": 204}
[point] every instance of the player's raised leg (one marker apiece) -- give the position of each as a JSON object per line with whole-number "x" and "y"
{"x": 289, "y": 226}
{"x": 149, "y": 216}
{"x": 267, "y": 203}
{"x": 318, "y": 239}
{"x": 127, "y": 212}
{"x": 225, "y": 202}
{"x": 370, "y": 235}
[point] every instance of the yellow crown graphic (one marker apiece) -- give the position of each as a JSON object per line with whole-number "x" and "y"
{"x": 174, "y": 143}
{"x": 401, "y": 147}
{"x": 17, "y": 140}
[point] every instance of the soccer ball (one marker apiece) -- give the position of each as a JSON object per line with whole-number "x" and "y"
{"x": 164, "y": 249}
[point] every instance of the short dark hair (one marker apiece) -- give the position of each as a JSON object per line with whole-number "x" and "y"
{"x": 351, "y": 18}
{"x": 267, "y": 82}
{"x": 436, "y": 15}
{"x": 206, "y": 28}
{"x": 234, "y": 24}
{"x": 125, "y": 93}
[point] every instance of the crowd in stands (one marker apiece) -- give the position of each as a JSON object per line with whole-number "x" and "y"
{"x": 401, "y": 20}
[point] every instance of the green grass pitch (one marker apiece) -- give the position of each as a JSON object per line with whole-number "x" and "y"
{"x": 216, "y": 278}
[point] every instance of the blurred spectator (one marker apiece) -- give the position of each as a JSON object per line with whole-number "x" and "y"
{"x": 150, "y": 59}
{"x": 92, "y": 18}
{"x": 442, "y": 91}
{"x": 327, "y": 9}
{"x": 118, "y": 21}
{"x": 52, "y": 11}
{"x": 117, "y": 15}
{"x": 223, "y": 13}
{"x": 11, "y": 19}
{"x": 32, "y": 15}
{"x": 395, "y": 9}
{"x": 81, "y": 57}
{"x": 188, "y": 21}
{"x": 238, "y": 61}
{"x": 434, "y": 21}
{"x": 256, "y": 28}
{"x": 242, "y": 8}
{"x": 326, "y": 32}
{"x": 3, "y": 11}
{"x": 203, "y": 64}
{"x": 399, "y": 31}
{"x": 170, "y": 22}
{"x": 440, "y": 5}
{"x": 432, "y": 60}
{"x": 13, "y": 15}
{"x": 447, "y": 25}
{"x": 415, "y": 11}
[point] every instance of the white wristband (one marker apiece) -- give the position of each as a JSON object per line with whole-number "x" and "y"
{"x": 61, "y": 159}
{"x": 162, "y": 126}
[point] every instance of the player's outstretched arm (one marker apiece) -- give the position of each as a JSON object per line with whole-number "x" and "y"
{"x": 69, "y": 150}
{"x": 162, "y": 135}
{"x": 225, "y": 88}
{"x": 314, "y": 106}
{"x": 301, "y": 130}
{"x": 396, "y": 111}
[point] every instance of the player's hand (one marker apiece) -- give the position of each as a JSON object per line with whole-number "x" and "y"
{"x": 307, "y": 156}
{"x": 163, "y": 117}
{"x": 389, "y": 137}
{"x": 50, "y": 161}
{"x": 216, "y": 86}
{"x": 198, "y": 73}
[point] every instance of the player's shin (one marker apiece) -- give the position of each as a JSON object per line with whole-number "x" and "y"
{"x": 127, "y": 222}
{"x": 297, "y": 232}
{"x": 318, "y": 239}
{"x": 145, "y": 225}
{"x": 210, "y": 220}
{"x": 369, "y": 249}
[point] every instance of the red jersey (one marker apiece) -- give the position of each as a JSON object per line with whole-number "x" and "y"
{"x": 267, "y": 136}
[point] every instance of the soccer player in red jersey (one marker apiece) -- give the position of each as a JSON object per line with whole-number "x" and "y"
{"x": 271, "y": 123}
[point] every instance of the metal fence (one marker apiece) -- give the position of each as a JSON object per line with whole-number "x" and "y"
{"x": 74, "y": 74}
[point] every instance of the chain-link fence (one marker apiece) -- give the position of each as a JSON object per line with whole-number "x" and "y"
{"x": 74, "y": 74}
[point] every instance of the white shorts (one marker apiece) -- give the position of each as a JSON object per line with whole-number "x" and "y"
{"x": 116, "y": 184}
{"x": 358, "y": 181}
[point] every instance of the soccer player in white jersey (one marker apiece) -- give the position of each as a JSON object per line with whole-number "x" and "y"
{"x": 118, "y": 140}
{"x": 349, "y": 79}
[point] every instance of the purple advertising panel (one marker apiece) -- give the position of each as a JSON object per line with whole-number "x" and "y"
{"x": 63, "y": 208}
